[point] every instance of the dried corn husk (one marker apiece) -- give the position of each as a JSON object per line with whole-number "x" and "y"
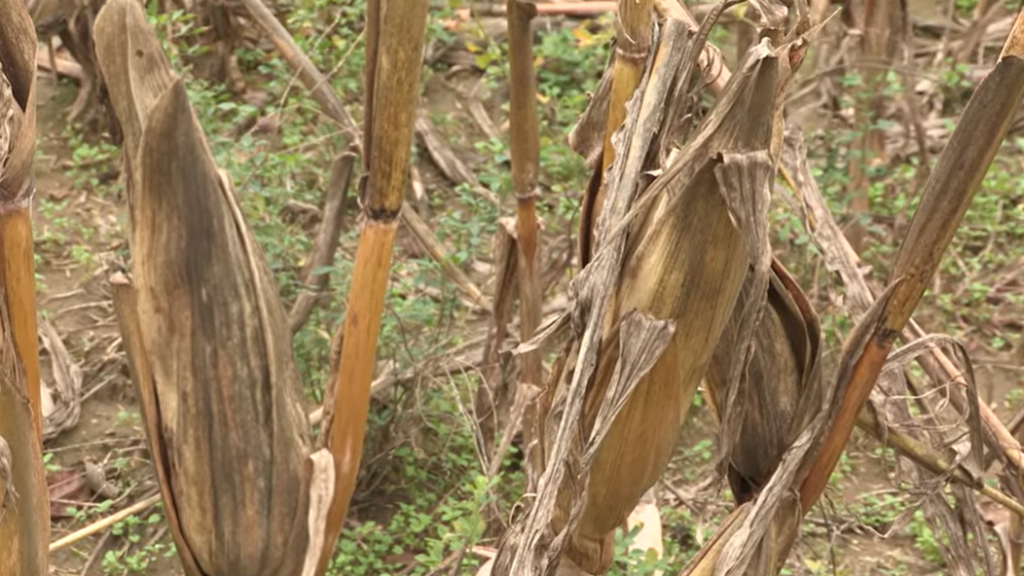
{"x": 777, "y": 389}
{"x": 207, "y": 335}
{"x": 653, "y": 302}
{"x": 766, "y": 400}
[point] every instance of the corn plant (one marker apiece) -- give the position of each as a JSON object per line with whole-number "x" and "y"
{"x": 525, "y": 148}
{"x": 671, "y": 259}
{"x": 244, "y": 488}
{"x": 24, "y": 502}
{"x": 680, "y": 286}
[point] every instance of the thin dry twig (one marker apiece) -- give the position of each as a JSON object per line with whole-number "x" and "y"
{"x": 314, "y": 279}
{"x": 105, "y": 523}
{"x": 421, "y": 230}
{"x": 453, "y": 168}
{"x": 320, "y": 89}
{"x": 96, "y": 551}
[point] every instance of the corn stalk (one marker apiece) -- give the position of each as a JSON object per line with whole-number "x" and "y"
{"x": 24, "y": 502}
{"x": 525, "y": 150}
{"x": 887, "y": 407}
{"x": 947, "y": 195}
{"x": 394, "y": 46}
{"x": 395, "y": 32}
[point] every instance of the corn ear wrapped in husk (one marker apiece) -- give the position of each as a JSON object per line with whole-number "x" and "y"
{"x": 207, "y": 335}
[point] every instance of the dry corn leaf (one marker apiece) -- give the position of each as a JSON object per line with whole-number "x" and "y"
{"x": 587, "y": 135}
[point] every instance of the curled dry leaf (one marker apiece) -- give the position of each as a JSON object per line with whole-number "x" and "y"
{"x": 587, "y": 135}
{"x": 779, "y": 390}
{"x": 62, "y": 383}
{"x": 224, "y": 380}
{"x": 766, "y": 406}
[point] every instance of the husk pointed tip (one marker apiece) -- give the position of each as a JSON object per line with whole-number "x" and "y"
{"x": 110, "y": 28}
{"x": 171, "y": 134}
{"x": 114, "y": 11}
{"x": 173, "y": 103}
{"x": 132, "y": 63}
